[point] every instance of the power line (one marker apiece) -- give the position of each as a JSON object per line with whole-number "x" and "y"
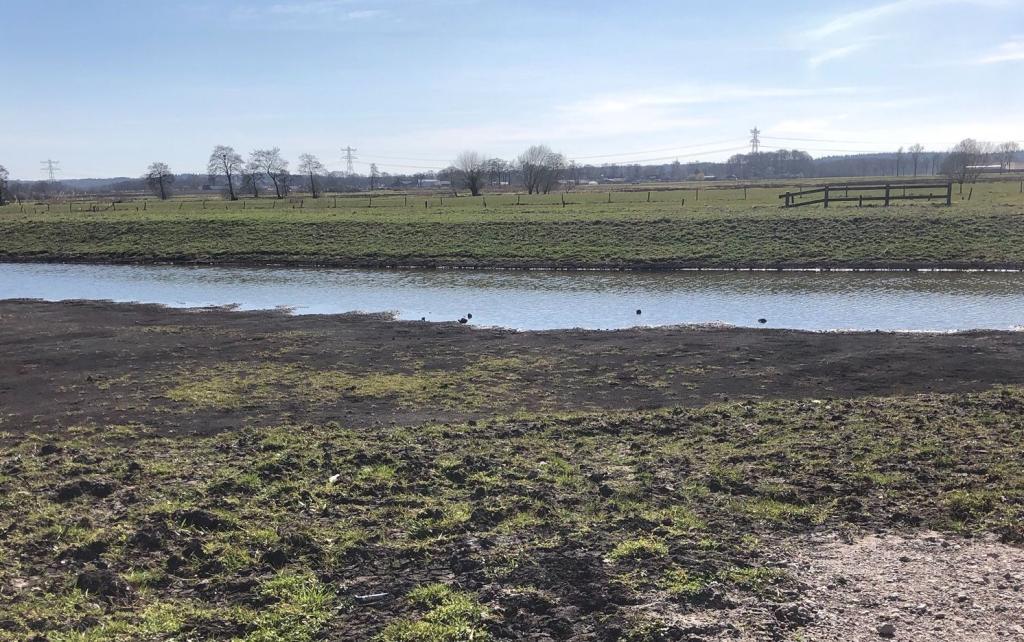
{"x": 349, "y": 157}
{"x": 51, "y": 167}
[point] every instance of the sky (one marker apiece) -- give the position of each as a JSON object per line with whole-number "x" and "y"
{"x": 108, "y": 86}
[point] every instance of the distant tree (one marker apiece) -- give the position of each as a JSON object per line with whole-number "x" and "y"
{"x": 311, "y": 166}
{"x": 899, "y": 160}
{"x": 159, "y": 179}
{"x": 225, "y": 161}
{"x": 251, "y": 174}
{"x": 374, "y": 175}
{"x": 1007, "y": 152}
{"x": 966, "y": 161}
{"x": 472, "y": 168}
{"x": 541, "y": 168}
{"x": 4, "y": 175}
{"x": 275, "y": 168}
{"x": 496, "y": 170}
{"x": 915, "y": 154}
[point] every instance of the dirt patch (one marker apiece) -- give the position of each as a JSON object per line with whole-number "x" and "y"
{"x": 915, "y": 587}
{"x": 203, "y": 371}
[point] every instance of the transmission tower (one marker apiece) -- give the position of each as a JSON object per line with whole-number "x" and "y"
{"x": 349, "y": 157}
{"x": 51, "y": 167}
{"x": 755, "y": 140}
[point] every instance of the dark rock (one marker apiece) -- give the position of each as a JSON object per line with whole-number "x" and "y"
{"x": 605, "y": 490}
{"x": 103, "y": 582}
{"x": 49, "y": 449}
{"x": 887, "y": 630}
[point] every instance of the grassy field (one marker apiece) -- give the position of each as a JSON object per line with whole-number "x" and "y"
{"x": 715, "y": 227}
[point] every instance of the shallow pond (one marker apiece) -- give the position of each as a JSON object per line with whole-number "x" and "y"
{"x": 543, "y": 300}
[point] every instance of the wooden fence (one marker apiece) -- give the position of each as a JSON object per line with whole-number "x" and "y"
{"x": 861, "y": 193}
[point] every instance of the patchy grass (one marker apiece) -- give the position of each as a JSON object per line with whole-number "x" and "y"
{"x": 466, "y": 531}
{"x": 253, "y": 384}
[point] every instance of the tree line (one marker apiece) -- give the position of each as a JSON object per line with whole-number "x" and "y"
{"x": 539, "y": 170}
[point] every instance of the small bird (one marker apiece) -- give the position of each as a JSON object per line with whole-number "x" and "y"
{"x": 463, "y": 320}
{"x": 762, "y": 320}
{"x": 469, "y": 316}
{"x": 638, "y": 312}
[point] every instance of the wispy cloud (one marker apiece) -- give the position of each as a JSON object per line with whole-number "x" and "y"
{"x": 309, "y": 13}
{"x": 862, "y": 17}
{"x": 819, "y": 59}
{"x": 1012, "y": 51}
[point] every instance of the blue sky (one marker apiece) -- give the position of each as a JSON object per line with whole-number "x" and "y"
{"x": 108, "y": 86}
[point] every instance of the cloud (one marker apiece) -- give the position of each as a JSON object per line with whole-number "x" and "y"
{"x": 834, "y": 54}
{"x": 861, "y": 17}
{"x": 1012, "y": 51}
{"x": 308, "y": 13}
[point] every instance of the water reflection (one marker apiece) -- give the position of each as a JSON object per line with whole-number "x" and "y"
{"x": 550, "y": 299}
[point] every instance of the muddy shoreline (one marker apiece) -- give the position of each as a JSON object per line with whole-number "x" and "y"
{"x": 569, "y": 266}
{"x": 207, "y": 370}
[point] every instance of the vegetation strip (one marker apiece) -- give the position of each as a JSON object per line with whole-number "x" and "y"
{"x": 562, "y": 524}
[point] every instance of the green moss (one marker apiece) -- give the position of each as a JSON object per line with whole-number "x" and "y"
{"x": 451, "y": 616}
{"x": 639, "y": 548}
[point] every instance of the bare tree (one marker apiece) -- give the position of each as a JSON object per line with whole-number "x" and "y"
{"x": 270, "y": 163}
{"x": 915, "y": 154}
{"x": 311, "y": 166}
{"x": 966, "y": 161}
{"x": 3, "y": 184}
{"x": 251, "y": 174}
{"x": 472, "y": 167}
{"x": 1007, "y": 152}
{"x": 899, "y": 160}
{"x": 225, "y": 161}
{"x": 541, "y": 168}
{"x": 159, "y": 178}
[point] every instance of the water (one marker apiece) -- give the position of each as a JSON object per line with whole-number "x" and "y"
{"x": 543, "y": 300}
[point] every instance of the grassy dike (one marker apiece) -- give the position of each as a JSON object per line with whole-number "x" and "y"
{"x": 565, "y": 524}
{"x": 720, "y": 230}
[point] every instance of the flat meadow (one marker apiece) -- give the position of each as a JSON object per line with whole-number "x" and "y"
{"x": 716, "y": 225}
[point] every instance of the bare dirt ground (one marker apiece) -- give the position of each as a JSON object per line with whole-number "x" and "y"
{"x": 205, "y": 371}
{"x": 919, "y": 586}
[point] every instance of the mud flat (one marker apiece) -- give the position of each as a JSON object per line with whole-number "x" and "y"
{"x": 212, "y": 474}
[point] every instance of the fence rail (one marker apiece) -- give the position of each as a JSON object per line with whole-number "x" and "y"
{"x": 885, "y": 193}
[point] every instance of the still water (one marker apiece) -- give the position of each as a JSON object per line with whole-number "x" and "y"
{"x": 543, "y": 300}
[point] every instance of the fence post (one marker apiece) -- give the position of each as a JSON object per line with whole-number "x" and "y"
{"x": 826, "y": 197}
{"x": 949, "y": 193}
{"x": 609, "y": 197}
{"x": 887, "y": 195}
{"x": 860, "y": 201}
{"x": 648, "y": 197}
{"x": 744, "y": 192}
